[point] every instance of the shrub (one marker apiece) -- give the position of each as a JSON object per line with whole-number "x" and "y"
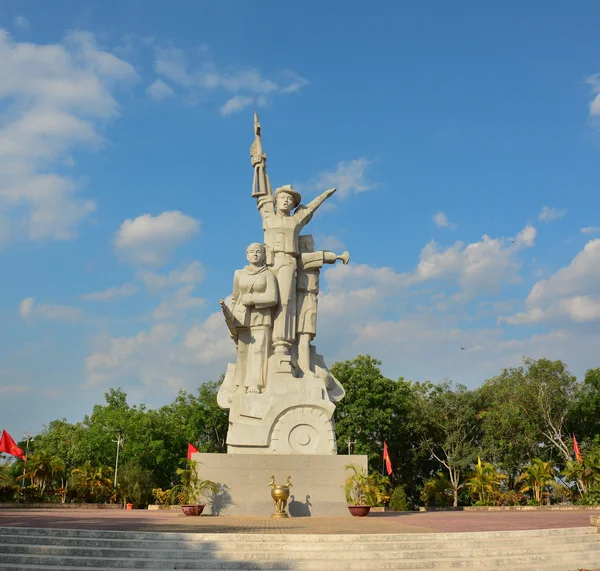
{"x": 163, "y": 497}
{"x": 398, "y": 500}
{"x": 437, "y": 491}
{"x": 591, "y": 497}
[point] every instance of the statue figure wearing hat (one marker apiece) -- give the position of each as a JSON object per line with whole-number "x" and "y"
{"x": 283, "y": 218}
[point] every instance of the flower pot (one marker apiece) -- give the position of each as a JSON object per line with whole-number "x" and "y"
{"x": 359, "y": 511}
{"x": 192, "y": 509}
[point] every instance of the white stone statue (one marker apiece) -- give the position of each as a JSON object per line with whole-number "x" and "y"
{"x": 280, "y": 394}
{"x": 309, "y": 268}
{"x": 254, "y": 296}
{"x": 282, "y": 229}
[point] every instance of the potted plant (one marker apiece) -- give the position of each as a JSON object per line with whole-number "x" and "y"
{"x": 193, "y": 488}
{"x": 363, "y": 491}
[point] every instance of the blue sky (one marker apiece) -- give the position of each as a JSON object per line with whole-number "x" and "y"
{"x": 464, "y": 139}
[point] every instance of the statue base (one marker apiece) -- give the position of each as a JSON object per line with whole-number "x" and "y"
{"x": 317, "y": 482}
{"x": 291, "y": 416}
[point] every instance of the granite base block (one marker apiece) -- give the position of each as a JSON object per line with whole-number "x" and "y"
{"x": 317, "y": 482}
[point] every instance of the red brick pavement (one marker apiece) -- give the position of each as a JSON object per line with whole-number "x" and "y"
{"x": 409, "y": 522}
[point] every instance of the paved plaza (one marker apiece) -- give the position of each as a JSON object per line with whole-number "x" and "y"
{"x": 385, "y": 523}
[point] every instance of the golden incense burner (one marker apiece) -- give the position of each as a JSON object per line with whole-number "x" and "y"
{"x": 280, "y": 495}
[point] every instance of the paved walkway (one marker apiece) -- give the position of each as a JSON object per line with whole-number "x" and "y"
{"x": 409, "y": 522}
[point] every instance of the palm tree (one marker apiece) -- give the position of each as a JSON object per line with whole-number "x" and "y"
{"x": 484, "y": 480}
{"x": 537, "y": 477}
{"x": 192, "y": 486}
{"x": 591, "y": 468}
{"x": 437, "y": 491}
{"x": 95, "y": 481}
{"x": 573, "y": 473}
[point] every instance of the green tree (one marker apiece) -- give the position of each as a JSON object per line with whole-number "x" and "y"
{"x": 61, "y": 441}
{"x": 452, "y": 416}
{"x": 584, "y": 417}
{"x": 94, "y": 482}
{"x": 377, "y": 409}
{"x": 526, "y": 412}
{"x": 484, "y": 481}
{"x": 135, "y": 484}
{"x": 537, "y": 478}
{"x": 437, "y": 491}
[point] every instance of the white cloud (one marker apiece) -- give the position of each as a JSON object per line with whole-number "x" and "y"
{"x": 526, "y": 237}
{"x": 571, "y": 293}
{"x": 480, "y": 267}
{"x": 296, "y": 82}
{"x": 196, "y": 74}
{"x": 548, "y": 214}
{"x": 441, "y": 220}
{"x": 235, "y": 104}
{"x": 590, "y": 230}
{"x": 363, "y": 309}
{"x": 179, "y": 301}
{"x": 594, "y": 81}
{"x": 330, "y": 243}
{"x": 148, "y": 240}
{"x": 21, "y": 22}
{"x": 124, "y": 355}
{"x": 159, "y": 90}
{"x": 393, "y": 317}
{"x": 111, "y": 293}
{"x": 26, "y": 307}
{"x": 348, "y": 177}
{"x": 209, "y": 342}
{"x": 14, "y": 389}
{"x": 29, "y": 309}
{"x": 192, "y": 274}
{"x": 55, "y": 100}
{"x": 172, "y": 356}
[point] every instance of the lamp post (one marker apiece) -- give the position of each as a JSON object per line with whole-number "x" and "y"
{"x": 28, "y": 437}
{"x": 350, "y": 443}
{"x": 118, "y": 441}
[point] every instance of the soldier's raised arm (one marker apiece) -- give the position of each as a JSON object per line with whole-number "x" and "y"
{"x": 314, "y": 204}
{"x": 261, "y": 185}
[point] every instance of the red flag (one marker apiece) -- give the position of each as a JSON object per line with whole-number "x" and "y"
{"x": 386, "y": 457}
{"x": 191, "y": 450}
{"x": 576, "y": 448}
{"x": 8, "y": 445}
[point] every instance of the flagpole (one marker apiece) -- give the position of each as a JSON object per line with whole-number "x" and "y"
{"x": 28, "y": 437}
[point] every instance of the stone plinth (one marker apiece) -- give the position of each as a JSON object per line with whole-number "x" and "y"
{"x": 317, "y": 482}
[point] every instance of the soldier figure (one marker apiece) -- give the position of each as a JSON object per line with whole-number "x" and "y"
{"x": 309, "y": 268}
{"x": 282, "y": 229}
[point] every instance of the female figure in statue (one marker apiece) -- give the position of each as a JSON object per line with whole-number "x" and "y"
{"x": 253, "y": 299}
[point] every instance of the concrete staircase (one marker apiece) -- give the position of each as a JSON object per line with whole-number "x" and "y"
{"x": 57, "y": 549}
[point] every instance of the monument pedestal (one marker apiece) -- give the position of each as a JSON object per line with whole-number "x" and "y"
{"x": 317, "y": 482}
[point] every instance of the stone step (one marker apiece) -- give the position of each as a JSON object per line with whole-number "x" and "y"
{"x": 534, "y": 567}
{"x": 566, "y": 549}
{"x": 282, "y": 543}
{"x": 297, "y": 553}
{"x": 507, "y": 563}
{"x": 326, "y": 538}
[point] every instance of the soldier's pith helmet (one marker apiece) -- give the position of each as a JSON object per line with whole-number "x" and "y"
{"x": 288, "y": 188}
